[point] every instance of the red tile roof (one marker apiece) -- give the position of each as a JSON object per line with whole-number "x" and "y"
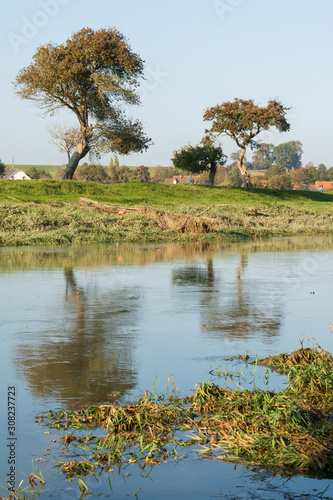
{"x": 324, "y": 185}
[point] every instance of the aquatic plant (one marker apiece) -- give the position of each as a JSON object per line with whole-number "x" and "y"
{"x": 289, "y": 432}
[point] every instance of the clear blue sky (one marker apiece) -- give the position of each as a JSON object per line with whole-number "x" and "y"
{"x": 198, "y": 53}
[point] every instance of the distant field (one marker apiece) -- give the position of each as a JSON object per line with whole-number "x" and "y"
{"x": 51, "y": 169}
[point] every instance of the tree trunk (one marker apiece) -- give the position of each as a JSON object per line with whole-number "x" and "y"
{"x": 212, "y": 172}
{"x": 82, "y": 149}
{"x": 245, "y": 174}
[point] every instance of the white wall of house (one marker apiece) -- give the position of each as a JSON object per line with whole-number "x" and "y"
{"x": 19, "y": 176}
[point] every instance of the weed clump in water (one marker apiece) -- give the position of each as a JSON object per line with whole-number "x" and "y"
{"x": 289, "y": 432}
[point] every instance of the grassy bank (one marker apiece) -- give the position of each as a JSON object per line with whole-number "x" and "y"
{"x": 51, "y": 212}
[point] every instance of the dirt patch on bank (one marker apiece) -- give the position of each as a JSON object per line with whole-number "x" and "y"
{"x": 175, "y": 222}
{"x": 180, "y": 223}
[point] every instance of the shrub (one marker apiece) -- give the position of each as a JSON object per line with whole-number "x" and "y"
{"x": 93, "y": 173}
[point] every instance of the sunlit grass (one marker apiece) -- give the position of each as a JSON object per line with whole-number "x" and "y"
{"x": 50, "y": 212}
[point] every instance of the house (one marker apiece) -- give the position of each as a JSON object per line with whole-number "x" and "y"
{"x": 298, "y": 186}
{"x": 15, "y": 174}
{"x": 324, "y": 185}
{"x": 183, "y": 179}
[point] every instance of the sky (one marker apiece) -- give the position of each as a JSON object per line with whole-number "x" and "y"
{"x": 197, "y": 53}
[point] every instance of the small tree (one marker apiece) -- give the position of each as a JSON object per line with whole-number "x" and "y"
{"x": 92, "y": 173}
{"x": 141, "y": 174}
{"x": 234, "y": 177}
{"x": 38, "y": 173}
{"x": 2, "y": 168}
{"x": 43, "y": 175}
{"x": 65, "y": 138}
{"x": 120, "y": 174}
{"x": 116, "y": 161}
{"x": 58, "y": 175}
{"x": 90, "y": 75}
{"x": 275, "y": 170}
{"x": 256, "y": 181}
{"x": 242, "y": 121}
{"x": 32, "y": 172}
{"x": 304, "y": 175}
{"x": 221, "y": 175}
{"x": 280, "y": 181}
{"x": 197, "y": 159}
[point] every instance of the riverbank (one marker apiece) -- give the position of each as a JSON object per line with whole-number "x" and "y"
{"x": 70, "y": 212}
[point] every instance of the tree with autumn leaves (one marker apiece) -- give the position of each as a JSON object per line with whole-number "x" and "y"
{"x": 242, "y": 121}
{"x": 91, "y": 75}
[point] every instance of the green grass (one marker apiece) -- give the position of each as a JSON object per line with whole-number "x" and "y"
{"x": 158, "y": 195}
{"x": 42, "y": 212}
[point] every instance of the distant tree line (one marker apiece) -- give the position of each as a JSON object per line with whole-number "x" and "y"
{"x": 287, "y": 154}
{"x": 109, "y": 175}
{"x": 38, "y": 173}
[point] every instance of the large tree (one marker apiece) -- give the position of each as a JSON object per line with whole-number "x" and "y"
{"x": 200, "y": 158}
{"x": 242, "y": 121}
{"x": 90, "y": 75}
{"x": 289, "y": 154}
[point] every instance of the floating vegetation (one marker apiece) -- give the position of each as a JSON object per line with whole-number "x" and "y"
{"x": 35, "y": 480}
{"x": 289, "y": 432}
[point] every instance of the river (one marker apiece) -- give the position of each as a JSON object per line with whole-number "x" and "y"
{"x": 78, "y": 324}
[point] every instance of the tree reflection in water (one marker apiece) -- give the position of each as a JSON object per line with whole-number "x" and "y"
{"x": 83, "y": 347}
{"x": 229, "y": 309}
{"x": 93, "y": 356}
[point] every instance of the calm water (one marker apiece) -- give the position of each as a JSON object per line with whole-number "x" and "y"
{"x": 79, "y": 323}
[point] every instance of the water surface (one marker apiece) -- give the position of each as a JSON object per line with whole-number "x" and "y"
{"x": 78, "y": 324}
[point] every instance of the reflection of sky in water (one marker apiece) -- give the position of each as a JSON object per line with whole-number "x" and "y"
{"x": 79, "y": 324}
